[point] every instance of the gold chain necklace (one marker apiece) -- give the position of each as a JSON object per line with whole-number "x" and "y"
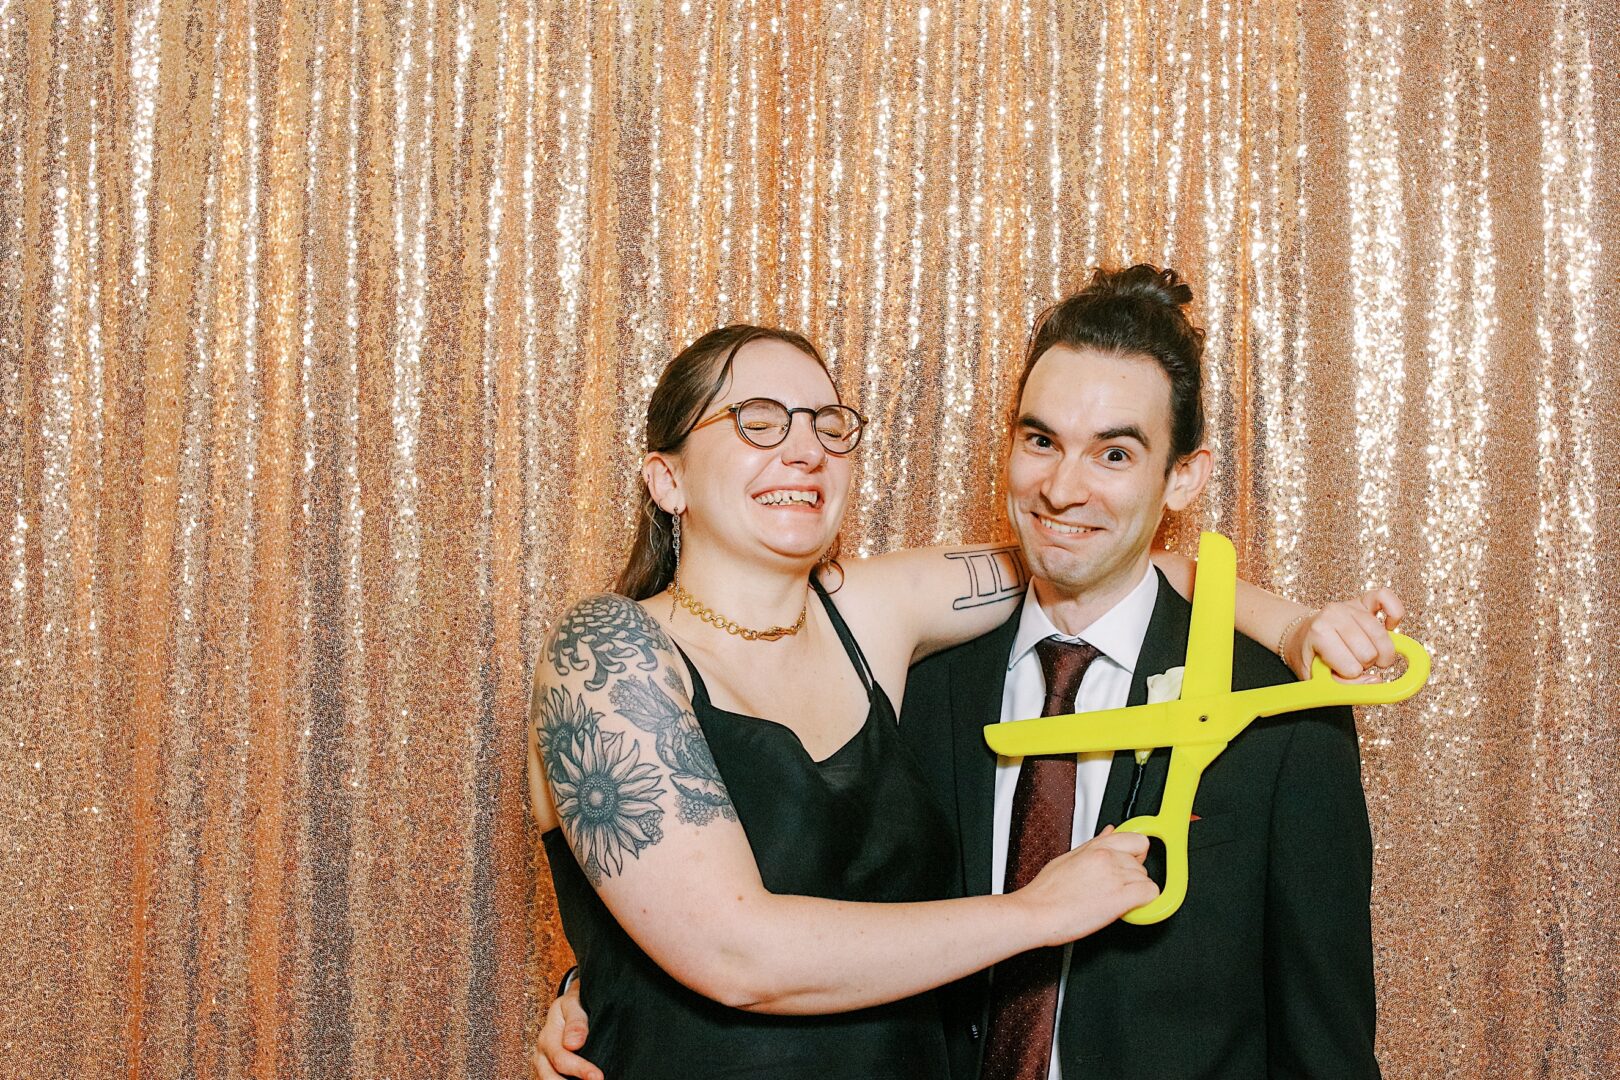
{"x": 714, "y": 618}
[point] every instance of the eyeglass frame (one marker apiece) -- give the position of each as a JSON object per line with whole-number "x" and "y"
{"x": 735, "y": 412}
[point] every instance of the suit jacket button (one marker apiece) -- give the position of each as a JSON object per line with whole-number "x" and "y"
{"x": 973, "y": 1031}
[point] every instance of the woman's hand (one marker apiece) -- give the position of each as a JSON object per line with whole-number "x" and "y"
{"x": 1348, "y": 636}
{"x": 552, "y": 1056}
{"x": 1087, "y": 888}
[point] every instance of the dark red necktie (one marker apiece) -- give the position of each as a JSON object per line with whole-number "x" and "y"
{"x": 1023, "y": 991}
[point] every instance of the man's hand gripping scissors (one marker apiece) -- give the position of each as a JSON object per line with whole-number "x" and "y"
{"x": 1198, "y": 726}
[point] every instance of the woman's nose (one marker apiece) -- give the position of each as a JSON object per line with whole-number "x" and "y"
{"x": 802, "y": 444}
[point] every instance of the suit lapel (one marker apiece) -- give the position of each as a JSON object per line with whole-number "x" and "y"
{"x": 977, "y": 681}
{"x": 1163, "y": 647}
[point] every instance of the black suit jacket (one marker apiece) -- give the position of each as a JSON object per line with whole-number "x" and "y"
{"x": 1266, "y": 970}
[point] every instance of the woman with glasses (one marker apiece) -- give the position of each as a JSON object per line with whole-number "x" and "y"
{"x": 748, "y": 864}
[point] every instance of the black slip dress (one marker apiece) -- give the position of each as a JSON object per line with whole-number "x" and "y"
{"x": 858, "y": 825}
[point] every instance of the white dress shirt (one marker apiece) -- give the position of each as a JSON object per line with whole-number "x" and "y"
{"x": 1117, "y": 635}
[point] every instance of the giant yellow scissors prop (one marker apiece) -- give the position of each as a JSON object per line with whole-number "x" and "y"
{"x": 1198, "y": 726}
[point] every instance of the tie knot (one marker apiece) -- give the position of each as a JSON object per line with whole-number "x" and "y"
{"x": 1064, "y": 664}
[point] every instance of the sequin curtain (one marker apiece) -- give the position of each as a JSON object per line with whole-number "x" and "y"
{"x": 325, "y": 334}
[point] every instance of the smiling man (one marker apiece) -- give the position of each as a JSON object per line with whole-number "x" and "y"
{"x": 1267, "y": 968}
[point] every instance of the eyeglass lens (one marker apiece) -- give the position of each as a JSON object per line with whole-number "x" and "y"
{"x": 765, "y": 422}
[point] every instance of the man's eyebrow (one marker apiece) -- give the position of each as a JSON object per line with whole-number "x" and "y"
{"x": 1129, "y": 431}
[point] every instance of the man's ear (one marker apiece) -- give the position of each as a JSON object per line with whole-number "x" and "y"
{"x": 662, "y": 474}
{"x": 1187, "y": 479}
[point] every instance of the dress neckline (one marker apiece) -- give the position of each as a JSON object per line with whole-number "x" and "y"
{"x": 764, "y": 721}
{"x": 874, "y": 692}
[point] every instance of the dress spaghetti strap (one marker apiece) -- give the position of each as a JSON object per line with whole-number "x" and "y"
{"x": 851, "y": 646}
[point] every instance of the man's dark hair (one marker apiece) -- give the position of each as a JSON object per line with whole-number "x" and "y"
{"x": 1138, "y": 311}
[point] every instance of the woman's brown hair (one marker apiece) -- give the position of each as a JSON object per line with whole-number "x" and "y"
{"x": 684, "y": 392}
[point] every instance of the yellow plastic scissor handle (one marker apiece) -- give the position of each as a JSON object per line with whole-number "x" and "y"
{"x": 1210, "y": 719}
{"x": 1323, "y": 688}
{"x": 1200, "y": 724}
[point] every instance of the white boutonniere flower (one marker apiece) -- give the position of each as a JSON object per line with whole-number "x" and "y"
{"x": 1161, "y": 688}
{"x": 1166, "y": 687}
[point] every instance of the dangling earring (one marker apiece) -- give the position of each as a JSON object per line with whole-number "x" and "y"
{"x": 675, "y": 574}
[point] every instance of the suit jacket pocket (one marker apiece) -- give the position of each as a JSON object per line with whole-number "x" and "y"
{"x": 1209, "y": 830}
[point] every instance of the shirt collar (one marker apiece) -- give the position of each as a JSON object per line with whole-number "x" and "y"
{"x": 1117, "y": 633}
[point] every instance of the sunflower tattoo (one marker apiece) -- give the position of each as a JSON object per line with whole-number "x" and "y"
{"x": 611, "y": 802}
{"x": 561, "y": 718}
{"x": 606, "y": 796}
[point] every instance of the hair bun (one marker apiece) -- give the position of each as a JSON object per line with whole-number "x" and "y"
{"x": 1144, "y": 281}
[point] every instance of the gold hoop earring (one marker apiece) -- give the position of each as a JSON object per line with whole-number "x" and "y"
{"x": 828, "y": 562}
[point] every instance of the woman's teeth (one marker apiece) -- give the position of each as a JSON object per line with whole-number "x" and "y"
{"x": 778, "y": 498}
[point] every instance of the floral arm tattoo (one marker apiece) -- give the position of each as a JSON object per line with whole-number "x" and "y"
{"x": 681, "y": 746}
{"x": 602, "y": 633}
{"x": 611, "y": 802}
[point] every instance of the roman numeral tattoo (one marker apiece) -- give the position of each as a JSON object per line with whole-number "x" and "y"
{"x": 994, "y": 574}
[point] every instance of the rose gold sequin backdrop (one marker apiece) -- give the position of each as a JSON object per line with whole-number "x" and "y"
{"x": 325, "y": 332}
